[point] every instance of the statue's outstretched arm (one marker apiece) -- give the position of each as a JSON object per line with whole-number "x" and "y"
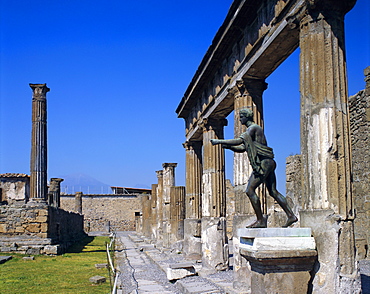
{"x": 238, "y": 149}
{"x": 231, "y": 142}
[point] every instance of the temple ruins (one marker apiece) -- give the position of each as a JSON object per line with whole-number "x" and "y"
{"x": 255, "y": 38}
{"x": 32, "y": 221}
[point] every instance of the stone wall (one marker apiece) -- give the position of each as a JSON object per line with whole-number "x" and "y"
{"x": 38, "y": 228}
{"x": 106, "y": 212}
{"x": 360, "y": 139}
{"x": 14, "y": 187}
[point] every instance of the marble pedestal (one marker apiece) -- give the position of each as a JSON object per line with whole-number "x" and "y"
{"x": 280, "y": 259}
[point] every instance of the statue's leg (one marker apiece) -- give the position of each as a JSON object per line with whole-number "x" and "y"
{"x": 253, "y": 183}
{"x": 271, "y": 187}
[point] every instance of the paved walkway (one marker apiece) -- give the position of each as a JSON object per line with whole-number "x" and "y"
{"x": 143, "y": 270}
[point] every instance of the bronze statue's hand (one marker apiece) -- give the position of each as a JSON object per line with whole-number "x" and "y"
{"x": 214, "y": 141}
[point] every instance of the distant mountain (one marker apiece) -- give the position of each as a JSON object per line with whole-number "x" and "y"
{"x": 83, "y": 183}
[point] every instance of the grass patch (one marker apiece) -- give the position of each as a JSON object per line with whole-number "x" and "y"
{"x": 67, "y": 273}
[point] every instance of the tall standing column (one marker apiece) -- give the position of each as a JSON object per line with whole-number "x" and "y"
{"x": 325, "y": 145}
{"x": 154, "y": 214}
{"x": 168, "y": 182}
{"x": 160, "y": 208}
{"x": 38, "y": 180}
{"x": 192, "y": 222}
{"x": 247, "y": 94}
{"x": 213, "y": 226}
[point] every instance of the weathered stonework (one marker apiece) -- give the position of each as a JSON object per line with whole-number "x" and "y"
{"x": 255, "y": 38}
{"x": 360, "y": 139}
{"x": 102, "y": 212}
{"x": 14, "y": 188}
{"x": 40, "y": 229}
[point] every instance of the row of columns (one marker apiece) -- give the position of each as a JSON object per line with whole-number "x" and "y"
{"x": 325, "y": 148}
{"x": 163, "y": 212}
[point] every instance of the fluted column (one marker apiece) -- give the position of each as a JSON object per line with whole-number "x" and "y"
{"x": 325, "y": 145}
{"x": 213, "y": 225}
{"x": 247, "y": 94}
{"x": 177, "y": 207}
{"x": 38, "y": 180}
{"x": 192, "y": 222}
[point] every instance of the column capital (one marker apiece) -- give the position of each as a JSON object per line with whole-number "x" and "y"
{"x": 207, "y": 124}
{"x": 168, "y": 164}
{"x": 248, "y": 86}
{"x": 159, "y": 173}
{"x": 330, "y": 6}
{"x": 191, "y": 145}
{"x": 39, "y": 91}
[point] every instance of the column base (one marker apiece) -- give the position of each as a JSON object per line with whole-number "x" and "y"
{"x": 192, "y": 239}
{"x": 215, "y": 251}
{"x": 241, "y": 267}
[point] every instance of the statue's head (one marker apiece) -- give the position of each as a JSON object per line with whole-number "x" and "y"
{"x": 247, "y": 113}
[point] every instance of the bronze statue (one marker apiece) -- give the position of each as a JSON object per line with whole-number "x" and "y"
{"x": 261, "y": 158}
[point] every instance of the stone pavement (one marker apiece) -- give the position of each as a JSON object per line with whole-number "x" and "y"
{"x": 143, "y": 269}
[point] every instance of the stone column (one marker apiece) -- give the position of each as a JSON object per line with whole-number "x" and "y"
{"x": 154, "y": 214}
{"x": 54, "y": 192}
{"x": 192, "y": 222}
{"x": 177, "y": 207}
{"x": 160, "y": 208}
{"x": 168, "y": 182}
{"x": 38, "y": 181}
{"x": 247, "y": 94}
{"x": 213, "y": 226}
{"x": 78, "y": 202}
{"x": 325, "y": 146}
{"x": 145, "y": 206}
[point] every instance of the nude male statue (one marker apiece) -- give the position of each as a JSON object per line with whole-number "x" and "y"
{"x": 261, "y": 158}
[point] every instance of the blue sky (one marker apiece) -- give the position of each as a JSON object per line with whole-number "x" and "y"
{"x": 117, "y": 71}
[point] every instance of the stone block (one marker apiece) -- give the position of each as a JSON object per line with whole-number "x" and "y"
{"x": 97, "y": 280}
{"x": 41, "y": 219}
{"x": 5, "y": 258}
{"x": 34, "y": 251}
{"x": 275, "y": 232}
{"x": 278, "y": 243}
{"x": 101, "y": 265}
{"x": 3, "y": 228}
{"x": 52, "y": 249}
{"x": 33, "y": 228}
{"x": 28, "y": 258}
{"x": 19, "y": 230}
{"x": 44, "y": 227}
{"x": 179, "y": 273}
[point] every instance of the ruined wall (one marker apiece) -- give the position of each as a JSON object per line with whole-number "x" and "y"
{"x": 360, "y": 139}
{"x": 14, "y": 187}
{"x": 34, "y": 229}
{"x": 104, "y": 211}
